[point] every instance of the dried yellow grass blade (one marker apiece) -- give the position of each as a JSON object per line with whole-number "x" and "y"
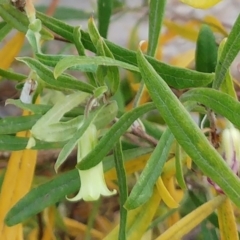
{"x": 49, "y": 220}
{"x": 189, "y": 162}
{"x": 33, "y": 235}
{"x": 177, "y": 194}
{"x": 145, "y": 217}
{"x": 104, "y": 225}
{"x": 227, "y": 223}
{"x": 215, "y": 24}
{"x": 131, "y": 166}
{"x": 17, "y": 182}
{"x": 202, "y": 4}
{"x": 187, "y": 31}
{"x": 11, "y": 50}
{"x": 75, "y": 228}
{"x": 165, "y": 195}
{"x": 186, "y": 224}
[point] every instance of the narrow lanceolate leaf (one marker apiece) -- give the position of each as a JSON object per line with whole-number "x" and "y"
{"x": 187, "y": 133}
{"x": 143, "y": 189}
{"x": 138, "y": 219}
{"x": 42, "y": 109}
{"x": 219, "y": 102}
{"x": 180, "y": 78}
{"x": 56, "y": 189}
{"x": 10, "y": 125}
{"x": 12, "y": 143}
{"x": 111, "y": 79}
{"x": 107, "y": 142}
{"x": 123, "y": 189}
{"x": 67, "y": 149}
{"x": 156, "y": 13}
{"x": 88, "y": 64}
{"x": 229, "y": 52}
{"x": 14, "y": 17}
{"x": 186, "y": 224}
{"x": 227, "y": 222}
{"x": 5, "y": 28}
{"x": 60, "y": 108}
{"x": 43, "y": 196}
{"x": 203, "y": 4}
{"x": 11, "y": 75}
{"x": 62, "y": 82}
{"x": 227, "y": 85}
{"x": 206, "y": 50}
{"x": 179, "y": 167}
{"x": 104, "y": 14}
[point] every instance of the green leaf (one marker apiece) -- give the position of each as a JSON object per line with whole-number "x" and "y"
{"x": 108, "y": 141}
{"x": 14, "y": 17}
{"x": 11, "y": 125}
{"x": 129, "y": 154}
{"x": 49, "y": 129}
{"x": 88, "y": 64}
{"x": 67, "y": 149}
{"x": 219, "y": 102}
{"x": 42, "y": 109}
{"x": 56, "y": 189}
{"x": 43, "y": 196}
{"x": 143, "y": 189}
{"x": 123, "y": 189}
{"x": 179, "y": 167}
{"x": 152, "y": 129}
{"x": 229, "y": 52}
{"x": 62, "y": 82}
{"x": 57, "y": 26}
{"x": 11, "y": 75}
{"x": 227, "y": 85}
{"x": 5, "y": 28}
{"x": 206, "y": 50}
{"x": 81, "y": 51}
{"x": 104, "y": 14}
{"x": 187, "y": 133}
{"x": 179, "y": 78}
{"x": 12, "y": 143}
{"x": 111, "y": 79}
{"x": 156, "y": 14}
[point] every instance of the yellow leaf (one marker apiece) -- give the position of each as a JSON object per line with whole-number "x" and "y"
{"x": 183, "y": 59}
{"x": 203, "y": 4}
{"x": 10, "y": 50}
{"x": 165, "y": 195}
{"x": 131, "y": 166}
{"x": 187, "y": 31}
{"x": 17, "y": 182}
{"x": 186, "y": 224}
{"x": 215, "y": 24}
{"x": 227, "y": 223}
{"x": 49, "y": 220}
{"x": 75, "y": 228}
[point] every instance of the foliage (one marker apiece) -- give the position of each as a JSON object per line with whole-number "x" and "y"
{"x": 133, "y": 135}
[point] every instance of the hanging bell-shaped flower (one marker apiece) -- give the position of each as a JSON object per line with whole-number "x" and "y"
{"x": 93, "y": 184}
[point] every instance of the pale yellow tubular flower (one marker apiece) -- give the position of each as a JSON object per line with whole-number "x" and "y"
{"x": 230, "y": 150}
{"x": 93, "y": 184}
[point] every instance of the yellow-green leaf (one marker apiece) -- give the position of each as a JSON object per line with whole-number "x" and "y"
{"x": 203, "y": 4}
{"x": 186, "y": 224}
